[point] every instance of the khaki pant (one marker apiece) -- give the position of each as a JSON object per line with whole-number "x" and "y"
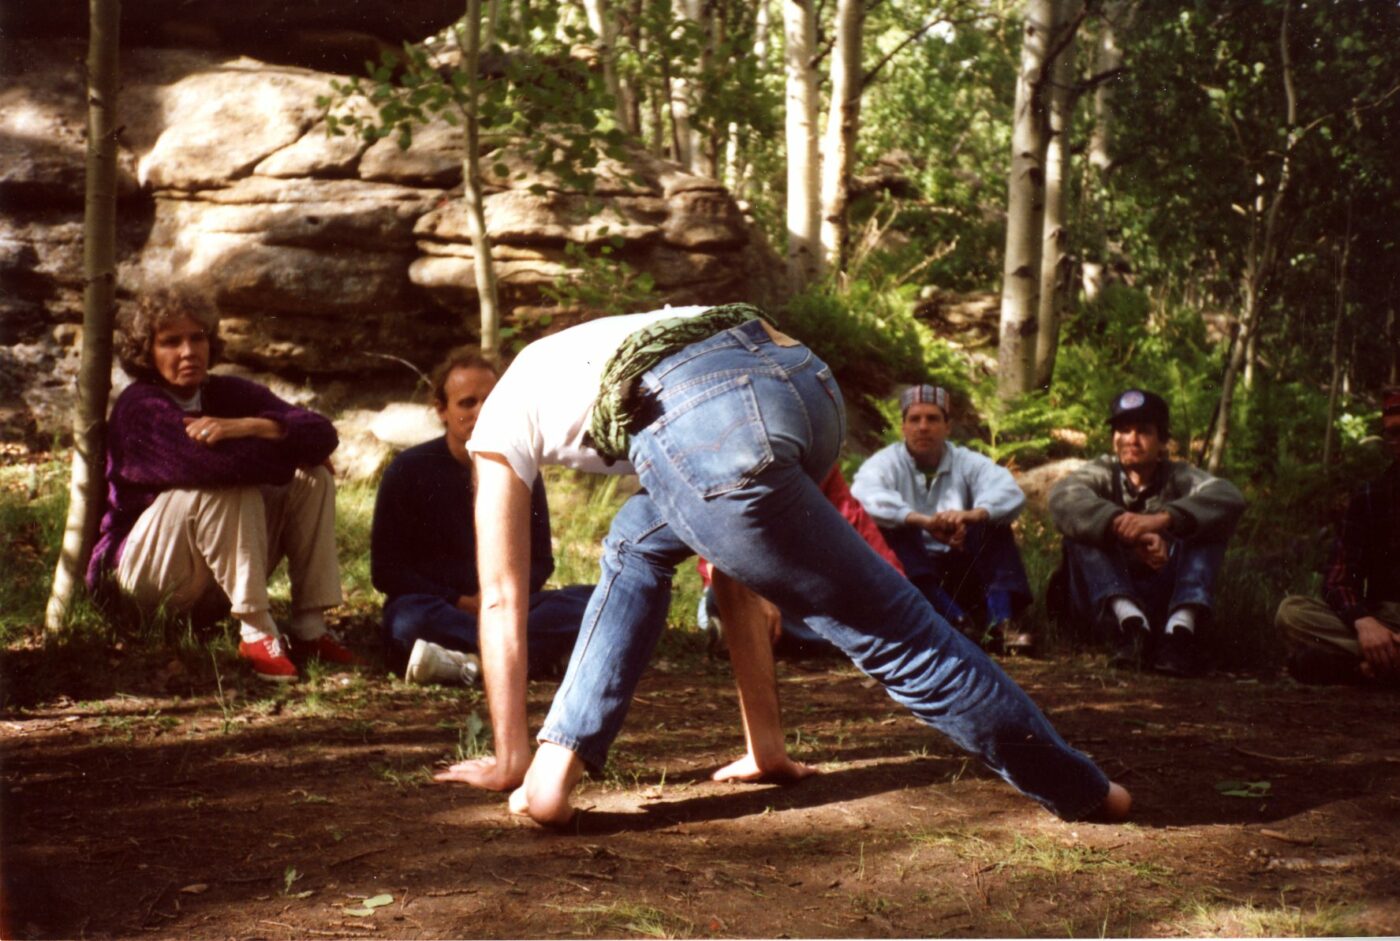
{"x": 1309, "y": 625}
{"x": 191, "y": 542}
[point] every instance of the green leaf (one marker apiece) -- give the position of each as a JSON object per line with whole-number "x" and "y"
{"x": 379, "y": 901}
{"x": 1252, "y": 790}
{"x": 500, "y": 169}
{"x": 358, "y": 912}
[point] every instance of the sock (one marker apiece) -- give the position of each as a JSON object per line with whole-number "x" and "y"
{"x": 256, "y": 625}
{"x": 308, "y": 625}
{"x": 1183, "y": 618}
{"x": 1125, "y": 610}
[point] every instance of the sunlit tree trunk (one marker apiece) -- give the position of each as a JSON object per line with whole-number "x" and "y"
{"x": 842, "y": 126}
{"x": 85, "y": 497}
{"x": 483, "y": 263}
{"x": 605, "y": 29}
{"x": 1056, "y": 264}
{"x": 803, "y": 208}
{"x": 1025, "y": 208}
{"x": 685, "y": 141}
{"x": 1114, "y": 23}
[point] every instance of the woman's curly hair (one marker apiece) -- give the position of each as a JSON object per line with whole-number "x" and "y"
{"x": 138, "y": 324}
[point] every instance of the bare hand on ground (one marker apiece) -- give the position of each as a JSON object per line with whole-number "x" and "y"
{"x": 479, "y": 772}
{"x": 746, "y": 769}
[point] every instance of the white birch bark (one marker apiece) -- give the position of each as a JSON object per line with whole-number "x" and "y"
{"x": 605, "y": 29}
{"x": 842, "y": 126}
{"x": 1108, "y": 56}
{"x": 1025, "y": 209}
{"x": 1056, "y": 265}
{"x": 99, "y": 296}
{"x": 803, "y": 209}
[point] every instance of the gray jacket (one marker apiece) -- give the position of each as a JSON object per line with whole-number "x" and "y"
{"x": 1201, "y": 507}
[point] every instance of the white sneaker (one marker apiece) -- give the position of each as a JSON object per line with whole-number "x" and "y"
{"x": 429, "y": 664}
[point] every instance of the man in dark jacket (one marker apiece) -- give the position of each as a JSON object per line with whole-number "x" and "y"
{"x": 1353, "y": 634}
{"x": 423, "y": 547}
{"x": 1144, "y": 537}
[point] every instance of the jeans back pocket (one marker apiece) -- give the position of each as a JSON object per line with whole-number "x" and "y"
{"x": 715, "y": 439}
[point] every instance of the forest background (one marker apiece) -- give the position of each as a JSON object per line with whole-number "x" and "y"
{"x": 1191, "y": 197}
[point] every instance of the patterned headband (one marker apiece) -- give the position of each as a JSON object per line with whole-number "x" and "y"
{"x": 923, "y": 395}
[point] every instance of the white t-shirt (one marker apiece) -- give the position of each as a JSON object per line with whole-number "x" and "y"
{"x": 541, "y": 409}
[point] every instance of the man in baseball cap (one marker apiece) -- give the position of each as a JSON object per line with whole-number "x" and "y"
{"x": 1144, "y": 537}
{"x": 1353, "y": 634}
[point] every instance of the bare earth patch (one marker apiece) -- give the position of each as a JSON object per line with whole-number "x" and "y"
{"x": 236, "y": 812}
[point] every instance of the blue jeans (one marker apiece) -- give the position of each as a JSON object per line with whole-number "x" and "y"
{"x": 738, "y": 434}
{"x": 987, "y": 570}
{"x": 550, "y": 629}
{"x": 1096, "y": 575}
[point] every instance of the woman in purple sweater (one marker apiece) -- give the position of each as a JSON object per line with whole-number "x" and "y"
{"x": 211, "y": 480}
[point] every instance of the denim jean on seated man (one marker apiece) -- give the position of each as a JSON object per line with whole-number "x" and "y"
{"x": 1096, "y": 575}
{"x": 550, "y": 629}
{"x": 738, "y": 434}
{"x": 986, "y": 571}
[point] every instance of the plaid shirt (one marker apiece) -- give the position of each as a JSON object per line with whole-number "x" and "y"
{"x": 1365, "y": 566}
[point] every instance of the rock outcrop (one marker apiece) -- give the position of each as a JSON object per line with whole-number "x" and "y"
{"x": 330, "y": 260}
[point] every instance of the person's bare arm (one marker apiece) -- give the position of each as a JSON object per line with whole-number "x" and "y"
{"x": 749, "y": 623}
{"x": 503, "y": 560}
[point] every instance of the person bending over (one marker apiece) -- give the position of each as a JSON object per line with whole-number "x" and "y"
{"x": 423, "y": 547}
{"x": 730, "y": 426}
{"x": 211, "y": 480}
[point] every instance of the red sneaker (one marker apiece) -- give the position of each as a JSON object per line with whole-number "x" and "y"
{"x": 269, "y": 660}
{"x": 327, "y": 647}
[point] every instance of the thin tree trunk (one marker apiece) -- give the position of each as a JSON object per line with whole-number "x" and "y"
{"x": 1025, "y": 209}
{"x": 1108, "y": 57}
{"x": 1265, "y": 250}
{"x": 488, "y": 28}
{"x": 472, "y": 196}
{"x": 1393, "y": 375}
{"x": 1334, "y": 386}
{"x": 803, "y": 209}
{"x": 842, "y": 126}
{"x": 99, "y": 295}
{"x": 684, "y": 139}
{"x": 606, "y": 32}
{"x": 1056, "y": 264}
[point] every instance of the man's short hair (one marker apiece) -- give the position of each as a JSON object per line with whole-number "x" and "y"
{"x": 463, "y": 357}
{"x": 138, "y": 324}
{"x": 924, "y": 395}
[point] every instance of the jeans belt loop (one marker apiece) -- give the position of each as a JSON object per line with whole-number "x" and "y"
{"x": 744, "y": 333}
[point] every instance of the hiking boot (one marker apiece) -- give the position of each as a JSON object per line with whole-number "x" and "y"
{"x": 429, "y": 664}
{"x": 326, "y": 647}
{"x": 1176, "y": 654}
{"x": 1130, "y": 644}
{"x": 269, "y": 660}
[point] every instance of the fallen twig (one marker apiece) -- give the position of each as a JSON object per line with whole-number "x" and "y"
{"x": 360, "y": 855}
{"x": 1284, "y": 758}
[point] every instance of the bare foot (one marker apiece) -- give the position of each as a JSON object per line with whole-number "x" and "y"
{"x": 747, "y": 769}
{"x": 1116, "y": 805}
{"x": 552, "y": 777}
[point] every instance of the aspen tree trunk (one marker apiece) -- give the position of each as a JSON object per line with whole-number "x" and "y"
{"x": 803, "y": 209}
{"x": 85, "y": 491}
{"x": 1108, "y": 55}
{"x": 484, "y": 264}
{"x": 1056, "y": 264}
{"x": 606, "y": 30}
{"x": 1264, "y": 252}
{"x": 1334, "y": 386}
{"x": 685, "y": 140}
{"x": 1025, "y": 209}
{"x": 488, "y": 27}
{"x": 842, "y": 126}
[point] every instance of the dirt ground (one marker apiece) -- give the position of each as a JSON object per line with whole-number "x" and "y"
{"x": 177, "y": 807}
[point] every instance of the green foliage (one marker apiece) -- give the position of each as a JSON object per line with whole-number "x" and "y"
{"x": 602, "y": 281}
{"x": 33, "y": 512}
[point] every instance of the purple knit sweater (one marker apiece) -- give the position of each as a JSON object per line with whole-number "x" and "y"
{"x": 148, "y": 453}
